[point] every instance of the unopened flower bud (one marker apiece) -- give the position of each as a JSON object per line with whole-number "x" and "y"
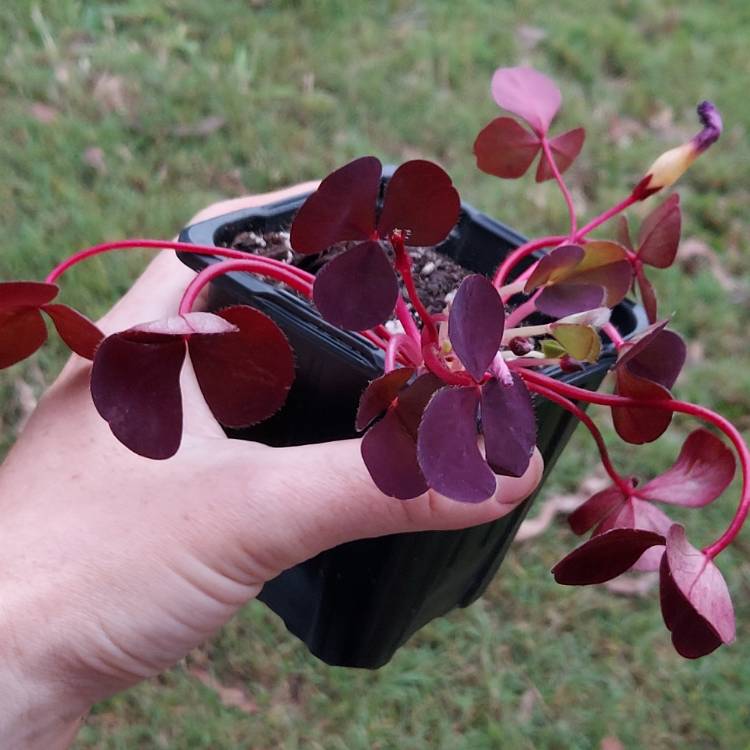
{"x": 570, "y": 364}
{"x": 520, "y": 345}
{"x": 671, "y": 165}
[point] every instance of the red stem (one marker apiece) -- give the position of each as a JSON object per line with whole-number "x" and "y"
{"x": 561, "y": 183}
{"x": 604, "y": 217}
{"x": 581, "y": 415}
{"x": 279, "y": 271}
{"x": 673, "y": 405}
{"x": 186, "y": 247}
{"x": 504, "y": 269}
{"x": 401, "y": 345}
{"x": 407, "y": 321}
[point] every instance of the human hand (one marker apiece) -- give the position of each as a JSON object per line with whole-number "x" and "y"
{"x": 115, "y": 566}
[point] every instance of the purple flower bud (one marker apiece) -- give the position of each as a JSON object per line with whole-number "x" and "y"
{"x": 710, "y": 118}
{"x": 570, "y": 364}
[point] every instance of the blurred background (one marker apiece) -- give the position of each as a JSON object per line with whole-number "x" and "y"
{"x": 121, "y": 119}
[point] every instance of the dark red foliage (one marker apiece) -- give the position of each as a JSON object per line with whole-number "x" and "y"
{"x": 379, "y": 395}
{"x": 702, "y": 471}
{"x": 22, "y": 327}
{"x": 659, "y": 235}
{"x": 358, "y": 289}
{"x": 242, "y": 361}
{"x": 508, "y": 426}
{"x": 565, "y": 149}
{"x": 476, "y": 323}
{"x": 244, "y": 374}
{"x": 695, "y": 601}
{"x": 647, "y": 368}
{"x": 342, "y": 208}
{"x": 389, "y": 448}
{"x": 596, "y": 509}
{"x": 505, "y": 149}
{"x": 447, "y": 446}
{"x": 605, "y": 556}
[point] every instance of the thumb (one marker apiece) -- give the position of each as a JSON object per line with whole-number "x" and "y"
{"x": 318, "y": 496}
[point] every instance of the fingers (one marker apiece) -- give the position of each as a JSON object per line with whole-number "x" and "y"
{"x": 315, "y": 497}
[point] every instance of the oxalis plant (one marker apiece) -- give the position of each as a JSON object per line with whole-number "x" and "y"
{"x": 453, "y": 408}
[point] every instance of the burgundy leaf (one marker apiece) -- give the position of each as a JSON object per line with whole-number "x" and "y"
{"x": 357, "y": 289}
{"x": 647, "y": 516}
{"x": 565, "y": 149}
{"x": 621, "y": 518}
{"x": 604, "y": 557}
{"x": 17, "y": 294}
{"x": 640, "y": 424}
{"x": 695, "y": 601}
{"x": 389, "y": 448}
{"x": 390, "y": 455}
{"x": 642, "y": 342}
{"x": 505, "y": 149}
{"x": 379, "y": 395}
{"x": 135, "y": 385}
{"x": 595, "y": 509}
{"x": 76, "y": 330}
{"x": 342, "y": 208}
{"x": 623, "y": 232}
{"x": 476, "y": 323}
{"x": 659, "y": 362}
{"x": 22, "y": 332}
{"x": 508, "y": 425}
{"x": 648, "y": 295}
{"x": 560, "y": 300}
{"x": 554, "y": 266}
{"x": 659, "y": 236}
{"x": 421, "y": 200}
{"x": 605, "y": 264}
{"x": 447, "y": 447}
{"x": 245, "y": 374}
{"x": 703, "y": 470}
{"x": 527, "y": 93}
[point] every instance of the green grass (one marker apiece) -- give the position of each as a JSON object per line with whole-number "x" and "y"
{"x": 302, "y": 86}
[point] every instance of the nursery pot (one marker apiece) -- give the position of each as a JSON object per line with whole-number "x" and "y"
{"x": 356, "y": 604}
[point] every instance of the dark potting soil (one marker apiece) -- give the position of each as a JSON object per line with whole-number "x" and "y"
{"x": 435, "y": 275}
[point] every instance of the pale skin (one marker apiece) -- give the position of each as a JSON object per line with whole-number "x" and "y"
{"x": 114, "y": 566}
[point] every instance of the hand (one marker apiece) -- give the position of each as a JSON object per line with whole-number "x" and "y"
{"x": 115, "y": 566}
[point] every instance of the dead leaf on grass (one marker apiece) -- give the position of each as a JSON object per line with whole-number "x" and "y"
{"x": 200, "y": 128}
{"x": 43, "y": 113}
{"x": 112, "y": 95}
{"x": 611, "y": 743}
{"x": 551, "y": 508}
{"x": 231, "y": 697}
{"x": 93, "y": 156}
{"x": 636, "y": 584}
{"x": 527, "y": 704}
{"x": 693, "y": 252}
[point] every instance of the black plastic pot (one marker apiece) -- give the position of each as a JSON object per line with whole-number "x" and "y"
{"x": 356, "y": 604}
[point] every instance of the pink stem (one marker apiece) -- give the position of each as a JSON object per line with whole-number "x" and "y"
{"x": 604, "y": 217}
{"x": 700, "y": 412}
{"x": 561, "y": 183}
{"x": 259, "y": 266}
{"x": 522, "y": 311}
{"x": 401, "y": 345}
{"x": 186, "y": 247}
{"x": 614, "y": 336}
{"x": 406, "y": 319}
{"x": 581, "y": 415}
{"x": 520, "y": 253}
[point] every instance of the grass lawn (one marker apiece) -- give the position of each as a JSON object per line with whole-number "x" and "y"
{"x": 122, "y": 118}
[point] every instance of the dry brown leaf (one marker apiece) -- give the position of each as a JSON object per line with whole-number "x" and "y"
{"x": 43, "y": 113}
{"x": 693, "y": 251}
{"x": 527, "y": 704}
{"x": 231, "y": 697}
{"x": 93, "y": 156}
{"x": 611, "y": 743}
{"x": 636, "y": 584}
{"x": 111, "y": 93}
{"x": 205, "y": 126}
{"x": 548, "y": 510}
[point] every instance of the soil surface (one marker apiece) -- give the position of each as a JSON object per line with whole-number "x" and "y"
{"x": 435, "y": 275}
